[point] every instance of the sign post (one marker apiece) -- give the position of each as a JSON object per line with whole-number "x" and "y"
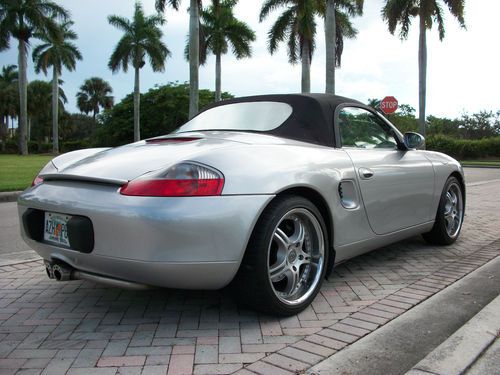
{"x": 389, "y": 105}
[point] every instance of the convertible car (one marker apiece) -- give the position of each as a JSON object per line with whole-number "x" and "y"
{"x": 268, "y": 193}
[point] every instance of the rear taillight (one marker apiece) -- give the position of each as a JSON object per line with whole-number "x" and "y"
{"x": 49, "y": 168}
{"x": 37, "y": 181}
{"x": 182, "y": 180}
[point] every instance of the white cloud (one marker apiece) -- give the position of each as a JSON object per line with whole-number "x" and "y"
{"x": 462, "y": 70}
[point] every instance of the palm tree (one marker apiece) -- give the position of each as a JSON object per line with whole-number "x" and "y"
{"x": 297, "y": 26}
{"x": 141, "y": 39}
{"x": 41, "y": 96}
{"x": 56, "y": 53}
{"x": 337, "y": 27}
{"x": 94, "y": 94}
{"x": 219, "y": 30}
{"x": 194, "y": 48}
{"x": 21, "y": 19}
{"x": 400, "y": 12}
{"x": 374, "y": 103}
{"x": 9, "y": 99}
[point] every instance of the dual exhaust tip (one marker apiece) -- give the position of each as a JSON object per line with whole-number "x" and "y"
{"x": 62, "y": 272}
{"x": 59, "y": 271}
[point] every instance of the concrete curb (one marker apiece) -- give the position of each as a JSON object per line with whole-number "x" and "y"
{"x": 9, "y": 196}
{"x": 465, "y": 346}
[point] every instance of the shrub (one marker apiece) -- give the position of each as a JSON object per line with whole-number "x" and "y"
{"x": 11, "y": 147}
{"x": 74, "y": 145}
{"x": 465, "y": 148}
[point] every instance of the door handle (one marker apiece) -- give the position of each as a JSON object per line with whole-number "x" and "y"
{"x": 366, "y": 173}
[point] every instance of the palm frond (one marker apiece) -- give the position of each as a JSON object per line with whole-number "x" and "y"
{"x": 271, "y": 5}
{"x": 456, "y": 8}
{"x": 278, "y": 31}
{"x": 160, "y": 5}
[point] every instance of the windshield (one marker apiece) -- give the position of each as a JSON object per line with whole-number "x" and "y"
{"x": 252, "y": 116}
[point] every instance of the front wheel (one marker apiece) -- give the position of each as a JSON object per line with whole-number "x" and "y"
{"x": 285, "y": 261}
{"x": 450, "y": 215}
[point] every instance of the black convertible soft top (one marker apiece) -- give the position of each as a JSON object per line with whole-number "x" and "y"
{"x": 312, "y": 117}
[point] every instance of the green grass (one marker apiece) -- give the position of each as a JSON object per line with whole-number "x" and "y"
{"x": 17, "y": 172}
{"x": 482, "y": 163}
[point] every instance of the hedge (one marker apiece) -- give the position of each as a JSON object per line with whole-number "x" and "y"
{"x": 464, "y": 149}
{"x": 11, "y": 147}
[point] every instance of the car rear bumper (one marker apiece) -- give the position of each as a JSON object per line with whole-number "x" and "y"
{"x": 192, "y": 242}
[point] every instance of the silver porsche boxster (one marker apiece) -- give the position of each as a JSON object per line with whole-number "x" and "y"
{"x": 267, "y": 193}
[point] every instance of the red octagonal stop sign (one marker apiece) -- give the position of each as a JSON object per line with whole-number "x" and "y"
{"x": 389, "y": 105}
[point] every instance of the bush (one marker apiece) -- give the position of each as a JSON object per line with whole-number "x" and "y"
{"x": 74, "y": 145}
{"x": 11, "y": 147}
{"x": 465, "y": 148}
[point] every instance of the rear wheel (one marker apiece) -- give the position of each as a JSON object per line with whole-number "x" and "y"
{"x": 450, "y": 215}
{"x": 285, "y": 261}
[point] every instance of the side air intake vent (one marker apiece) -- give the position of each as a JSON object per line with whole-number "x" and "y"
{"x": 348, "y": 195}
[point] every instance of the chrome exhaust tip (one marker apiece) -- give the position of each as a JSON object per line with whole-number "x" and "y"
{"x": 49, "y": 270}
{"x": 61, "y": 273}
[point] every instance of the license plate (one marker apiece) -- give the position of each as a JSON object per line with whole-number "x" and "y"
{"x": 56, "y": 229}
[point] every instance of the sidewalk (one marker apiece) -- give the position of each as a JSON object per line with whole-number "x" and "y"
{"x": 470, "y": 350}
{"x": 422, "y": 331}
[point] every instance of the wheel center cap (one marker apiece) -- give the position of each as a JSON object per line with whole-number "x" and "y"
{"x": 292, "y": 255}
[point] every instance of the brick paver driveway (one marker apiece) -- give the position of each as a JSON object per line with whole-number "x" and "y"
{"x": 83, "y": 328}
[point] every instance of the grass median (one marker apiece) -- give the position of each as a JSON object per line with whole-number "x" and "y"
{"x": 17, "y": 172}
{"x": 481, "y": 163}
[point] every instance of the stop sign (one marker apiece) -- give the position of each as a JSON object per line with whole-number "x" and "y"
{"x": 389, "y": 105}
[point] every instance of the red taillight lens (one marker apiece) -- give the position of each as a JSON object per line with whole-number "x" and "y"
{"x": 173, "y": 188}
{"x": 182, "y": 180}
{"x": 37, "y": 181}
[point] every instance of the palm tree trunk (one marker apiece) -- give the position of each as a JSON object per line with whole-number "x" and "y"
{"x": 306, "y": 69}
{"x": 137, "y": 105}
{"x": 218, "y": 77}
{"x": 23, "y": 98}
{"x": 330, "y": 41}
{"x": 422, "y": 75}
{"x": 194, "y": 57}
{"x": 55, "y": 111}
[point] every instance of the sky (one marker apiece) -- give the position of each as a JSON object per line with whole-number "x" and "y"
{"x": 463, "y": 69}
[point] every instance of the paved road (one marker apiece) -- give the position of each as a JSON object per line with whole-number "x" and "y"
{"x": 82, "y": 328}
{"x": 473, "y": 175}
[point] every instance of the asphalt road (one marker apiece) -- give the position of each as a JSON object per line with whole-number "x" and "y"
{"x": 12, "y": 246}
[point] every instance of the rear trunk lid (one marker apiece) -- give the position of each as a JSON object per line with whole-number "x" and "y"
{"x": 125, "y": 163}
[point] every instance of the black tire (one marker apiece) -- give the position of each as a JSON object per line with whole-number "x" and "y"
{"x": 253, "y": 282}
{"x": 440, "y": 235}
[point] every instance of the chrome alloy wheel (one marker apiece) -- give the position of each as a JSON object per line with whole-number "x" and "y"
{"x": 296, "y": 256}
{"x": 453, "y": 209}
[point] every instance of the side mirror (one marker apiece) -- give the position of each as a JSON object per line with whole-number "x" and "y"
{"x": 413, "y": 140}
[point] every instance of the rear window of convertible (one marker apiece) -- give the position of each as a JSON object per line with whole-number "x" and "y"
{"x": 252, "y": 116}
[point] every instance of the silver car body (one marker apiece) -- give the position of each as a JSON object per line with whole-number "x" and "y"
{"x": 199, "y": 242}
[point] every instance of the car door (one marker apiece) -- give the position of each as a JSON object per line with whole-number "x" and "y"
{"x": 396, "y": 185}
